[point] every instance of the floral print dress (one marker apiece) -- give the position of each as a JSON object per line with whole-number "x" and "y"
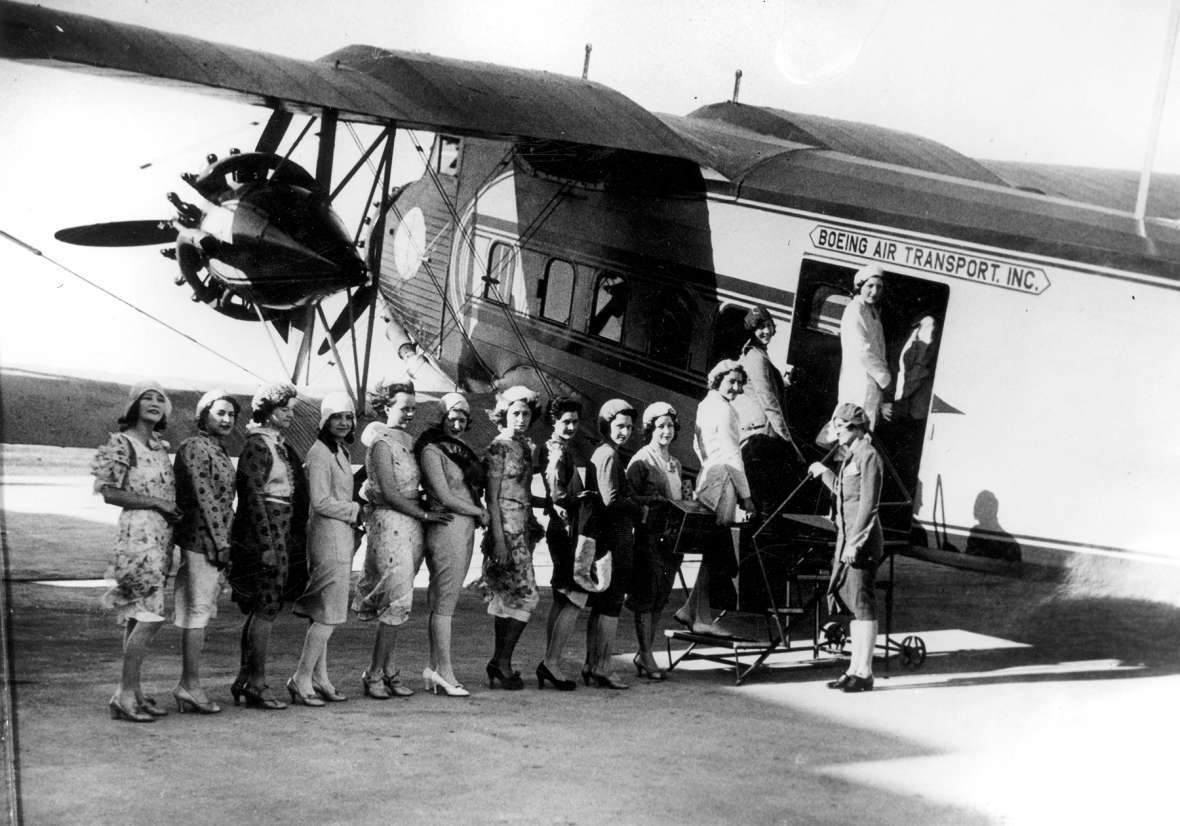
{"x": 395, "y": 541}
{"x": 513, "y": 583}
{"x": 143, "y": 546}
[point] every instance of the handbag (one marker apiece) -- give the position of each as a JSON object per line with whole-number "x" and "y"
{"x": 592, "y": 573}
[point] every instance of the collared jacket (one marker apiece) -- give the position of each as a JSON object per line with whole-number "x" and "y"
{"x": 765, "y": 387}
{"x": 722, "y": 479}
{"x": 856, "y": 488}
{"x": 204, "y": 498}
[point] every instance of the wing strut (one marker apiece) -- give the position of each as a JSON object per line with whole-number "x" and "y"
{"x": 375, "y": 253}
{"x": 336, "y": 355}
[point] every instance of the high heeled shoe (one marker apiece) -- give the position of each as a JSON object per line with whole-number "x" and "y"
{"x": 262, "y": 698}
{"x": 298, "y": 698}
{"x": 544, "y": 674}
{"x": 395, "y": 685}
{"x": 121, "y": 712}
{"x": 586, "y": 673}
{"x": 607, "y": 681}
{"x": 187, "y": 702}
{"x": 509, "y": 682}
{"x": 434, "y": 682}
{"x": 147, "y": 705}
{"x": 375, "y": 687}
{"x": 328, "y": 692}
{"x": 642, "y": 670}
{"x": 237, "y": 689}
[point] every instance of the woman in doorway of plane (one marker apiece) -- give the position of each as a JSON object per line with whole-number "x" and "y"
{"x": 205, "y": 499}
{"x": 331, "y": 541}
{"x": 512, "y": 531}
{"x": 395, "y": 536}
{"x": 616, "y": 518}
{"x": 654, "y": 476}
{"x": 268, "y": 557}
{"x": 453, "y": 478}
{"x": 132, "y": 471}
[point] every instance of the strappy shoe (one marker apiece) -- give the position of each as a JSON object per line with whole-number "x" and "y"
{"x": 328, "y": 692}
{"x": 840, "y": 681}
{"x": 856, "y": 684}
{"x": 148, "y": 705}
{"x": 607, "y": 681}
{"x": 375, "y": 687}
{"x": 642, "y": 670}
{"x": 121, "y": 712}
{"x": 395, "y": 685}
{"x": 434, "y": 683}
{"x": 298, "y": 698}
{"x": 261, "y": 698}
{"x": 187, "y": 702}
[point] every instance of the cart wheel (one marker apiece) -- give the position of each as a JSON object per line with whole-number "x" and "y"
{"x": 834, "y": 637}
{"x": 913, "y": 652}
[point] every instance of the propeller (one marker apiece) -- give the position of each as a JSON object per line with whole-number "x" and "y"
{"x": 351, "y": 313}
{"x": 119, "y": 234}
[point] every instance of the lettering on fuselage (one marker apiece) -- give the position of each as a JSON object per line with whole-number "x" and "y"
{"x": 970, "y": 267}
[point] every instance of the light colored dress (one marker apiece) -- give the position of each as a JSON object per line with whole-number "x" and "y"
{"x": 143, "y": 546}
{"x": 330, "y": 537}
{"x": 512, "y": 584}
{"x": 386, "y": 590}
{"x": 449, "y": 545}
{"x": 716, "y": 440}
{"x": 864, "y": 372}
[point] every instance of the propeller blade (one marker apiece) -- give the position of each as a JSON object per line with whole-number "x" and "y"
{"x": 356, "y": 306}
{"x": 119, "y": 234}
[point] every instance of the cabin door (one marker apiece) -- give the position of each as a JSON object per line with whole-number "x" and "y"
{"x": 814, "y": 350}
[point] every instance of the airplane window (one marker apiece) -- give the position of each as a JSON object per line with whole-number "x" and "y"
{"x": 671, "y": 329}
{"x": 498, "y": 283}
{"x": 610, "y": 302}
{"x": 556, "y": 291}
{"x": 447, "y": 156}
{"x": 827, "y": 308}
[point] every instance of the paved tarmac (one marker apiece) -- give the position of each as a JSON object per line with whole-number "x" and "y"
{"x": 1037, "y": 704}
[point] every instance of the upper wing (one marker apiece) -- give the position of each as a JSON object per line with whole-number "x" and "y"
{"x": 361, "y": 83}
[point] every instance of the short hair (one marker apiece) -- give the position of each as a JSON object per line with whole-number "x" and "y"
{"x": 329, "y": 440}
{"x": 604, "y": 423}
{"x": 383, "y": 395}
{"x": 500, "y": 414}
{"x": 203, "y": 419}
{"x": 650, "y": 427}
{"x": 717, "y": 379}
{"x": 560, "y": 405}
{"x": 442, "y": 422}
{"x": 129, "y": 419}
{"x": 269, "y": 398}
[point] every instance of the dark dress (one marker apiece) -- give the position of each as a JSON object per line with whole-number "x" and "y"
{"x": 615, "y": 519}
{"x": 562, "y": 486}
{"x": 268, "y": 551}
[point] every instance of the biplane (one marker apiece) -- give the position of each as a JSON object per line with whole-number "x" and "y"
{"x": 565, "y": 237}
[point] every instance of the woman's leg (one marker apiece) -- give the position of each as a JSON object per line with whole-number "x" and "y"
{"x": 508, "y": 633}
{"x": 192, "y": 643}
{"x": 319, "y": 671}
{"x": 603, "y": 642}
{"x": 440, "y": 647}
{"x": 135, "y": 646}
{"x": 258, "y": 643}
{"x": 315, "y": 644}
{"x": 645, "y": 631}
{"x": 563, "y": 616}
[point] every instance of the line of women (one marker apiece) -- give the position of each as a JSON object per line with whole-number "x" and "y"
{"x": 292, "y": 535}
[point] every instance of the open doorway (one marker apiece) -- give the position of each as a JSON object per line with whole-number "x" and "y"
{"x": 912, "y": 314}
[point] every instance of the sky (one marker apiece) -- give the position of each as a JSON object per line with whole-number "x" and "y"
{"x": 1028, "y": 80}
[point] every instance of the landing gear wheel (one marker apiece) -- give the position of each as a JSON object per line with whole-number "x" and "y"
{"x": 913, "y": 652}
{"x": 834, "y": 637}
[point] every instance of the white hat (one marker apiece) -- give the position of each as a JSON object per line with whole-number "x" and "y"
{"x": 656, "y": 409}
{"x": 455, "y": 401}
{"x": 141, "y": 387}
{"x": 865, "y": 273}
{"x": 517, "y": 393}
{"x": 334, "y": 403}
